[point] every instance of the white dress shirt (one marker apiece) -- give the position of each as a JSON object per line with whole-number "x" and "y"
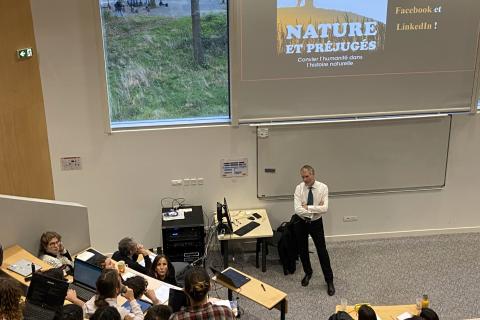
{"x": 320, "y": 200}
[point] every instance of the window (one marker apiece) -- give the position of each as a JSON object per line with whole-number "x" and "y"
{"x": 165, "y": 65}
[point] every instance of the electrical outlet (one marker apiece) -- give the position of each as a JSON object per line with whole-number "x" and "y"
{"x": 176, "y": 182}
{"x": 350, "y": 218}
{"x": 71, "y": 163}
{"x": 200, "y": 181}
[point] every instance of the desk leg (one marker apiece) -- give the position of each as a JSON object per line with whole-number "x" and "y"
{"x": 282, "y": 309}
{"x": 230, "y": 295}
{"x": 224, "y": 249}
{"x": 264, "y": 255}
{"x": 257, "y": 252}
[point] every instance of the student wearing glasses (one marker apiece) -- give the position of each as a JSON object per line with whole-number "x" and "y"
{"x": 54, "y": 253}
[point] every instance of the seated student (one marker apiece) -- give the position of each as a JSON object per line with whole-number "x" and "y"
{"x": 105, "y": 263}
{"x": 128, "y": 251}
{"x": 106, "y": 313}
{"x": 163, "y": 270}
{"x": 139, "y": 286}
{"x": 197, "y": 285}
{"x": 10, "y": 295}
{"x": 428, "y": 314}
{"x": 366, "y": 313}
{"x": 54, "y": 253}
{"x": 109, "y": 286}
{"x": 159, "y": 312}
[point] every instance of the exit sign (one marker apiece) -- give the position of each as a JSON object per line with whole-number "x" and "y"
{"x": 24, "y": 53}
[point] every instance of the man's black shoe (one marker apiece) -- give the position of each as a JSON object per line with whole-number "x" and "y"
{"x": 306, "y": 279}
{"x": 330, "y": 289}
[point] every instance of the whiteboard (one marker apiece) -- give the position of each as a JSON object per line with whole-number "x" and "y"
{"x": 363, "y": 157}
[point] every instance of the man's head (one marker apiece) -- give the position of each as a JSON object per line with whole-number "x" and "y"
{"x": 308, "y": 175}
{"x": 127, "y": 247}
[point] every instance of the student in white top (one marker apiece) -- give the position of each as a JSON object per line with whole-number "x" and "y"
{"x": 310, "y": 203}
{"x": 109, "y": 287}
{"x": 54, "y": 253}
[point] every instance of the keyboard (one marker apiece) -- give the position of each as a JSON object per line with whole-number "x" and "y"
{"x": 34, "y": 312}
{"x": 82, "y": 293}
{"x": 247, "y": 228}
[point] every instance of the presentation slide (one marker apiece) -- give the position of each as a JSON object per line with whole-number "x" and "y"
{"x": 362, "y": 42}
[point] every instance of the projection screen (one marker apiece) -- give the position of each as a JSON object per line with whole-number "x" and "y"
{"x": 313, "y": 59}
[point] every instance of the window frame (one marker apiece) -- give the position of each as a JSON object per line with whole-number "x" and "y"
{"x": 111, "y": 127}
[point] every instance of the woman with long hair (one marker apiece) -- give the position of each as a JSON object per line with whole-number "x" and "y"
{"x": 162, "y": 269}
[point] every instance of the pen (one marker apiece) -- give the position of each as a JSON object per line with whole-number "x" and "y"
{"x": 263, "y": 287}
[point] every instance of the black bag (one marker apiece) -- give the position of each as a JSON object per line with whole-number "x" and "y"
{"x": 287, "y": 246}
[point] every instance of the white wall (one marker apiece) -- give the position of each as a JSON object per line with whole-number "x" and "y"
{"x": 126, "y": 174}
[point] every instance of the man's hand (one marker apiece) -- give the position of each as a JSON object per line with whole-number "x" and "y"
{"x": 304, "y": 206}
{"x": 129, "y": 294}
{"x": 141, "y": 250}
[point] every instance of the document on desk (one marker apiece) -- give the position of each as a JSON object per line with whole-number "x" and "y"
{"x": 162, "y": 293}
{"x": 84, "y": 256}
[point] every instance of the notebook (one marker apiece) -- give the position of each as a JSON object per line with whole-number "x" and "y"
{"x": 45, "y": 297}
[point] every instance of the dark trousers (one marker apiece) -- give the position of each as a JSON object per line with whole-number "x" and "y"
{"x": 304, "y": 228}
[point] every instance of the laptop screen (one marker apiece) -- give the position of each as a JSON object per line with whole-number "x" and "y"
{"x": 47, "y": 292}
{"x": 86, "y": 273}
{"x": 177, "y": 299}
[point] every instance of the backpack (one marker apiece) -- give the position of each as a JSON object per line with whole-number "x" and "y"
{"x": 287, "y": 246}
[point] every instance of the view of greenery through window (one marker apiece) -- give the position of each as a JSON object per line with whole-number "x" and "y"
{"x": 163, "y": 62}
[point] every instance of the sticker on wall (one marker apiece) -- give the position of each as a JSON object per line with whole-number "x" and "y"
{"x": 234, "y": 168}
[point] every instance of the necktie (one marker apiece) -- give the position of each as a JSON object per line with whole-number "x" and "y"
{"x": 310, "y": 197}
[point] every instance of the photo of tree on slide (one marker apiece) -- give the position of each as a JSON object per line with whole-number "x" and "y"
{"x": 330, "y": 26}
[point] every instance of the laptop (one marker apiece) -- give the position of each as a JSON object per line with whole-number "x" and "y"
{"x": 85, "y": 277}
{"x": 45, "y": 297}
{"x": 231, "y": 277}
{"x": 177, "y": 299}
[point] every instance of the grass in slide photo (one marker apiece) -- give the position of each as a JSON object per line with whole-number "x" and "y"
{"x": 151, "y": 70}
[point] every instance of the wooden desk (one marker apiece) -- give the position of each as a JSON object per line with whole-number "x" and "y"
{"x": 261, "y": 233}
{"x": 269, "y": 298}
{"x": 15, "y": 253}
{"x": 384, "y": 312}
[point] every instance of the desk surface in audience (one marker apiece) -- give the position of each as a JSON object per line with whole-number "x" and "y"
{"x": 385, "y": 312}
{"x": 240, "y": 218}
{"x": 15, "y": 253}
{"x": 269, "y": 298}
